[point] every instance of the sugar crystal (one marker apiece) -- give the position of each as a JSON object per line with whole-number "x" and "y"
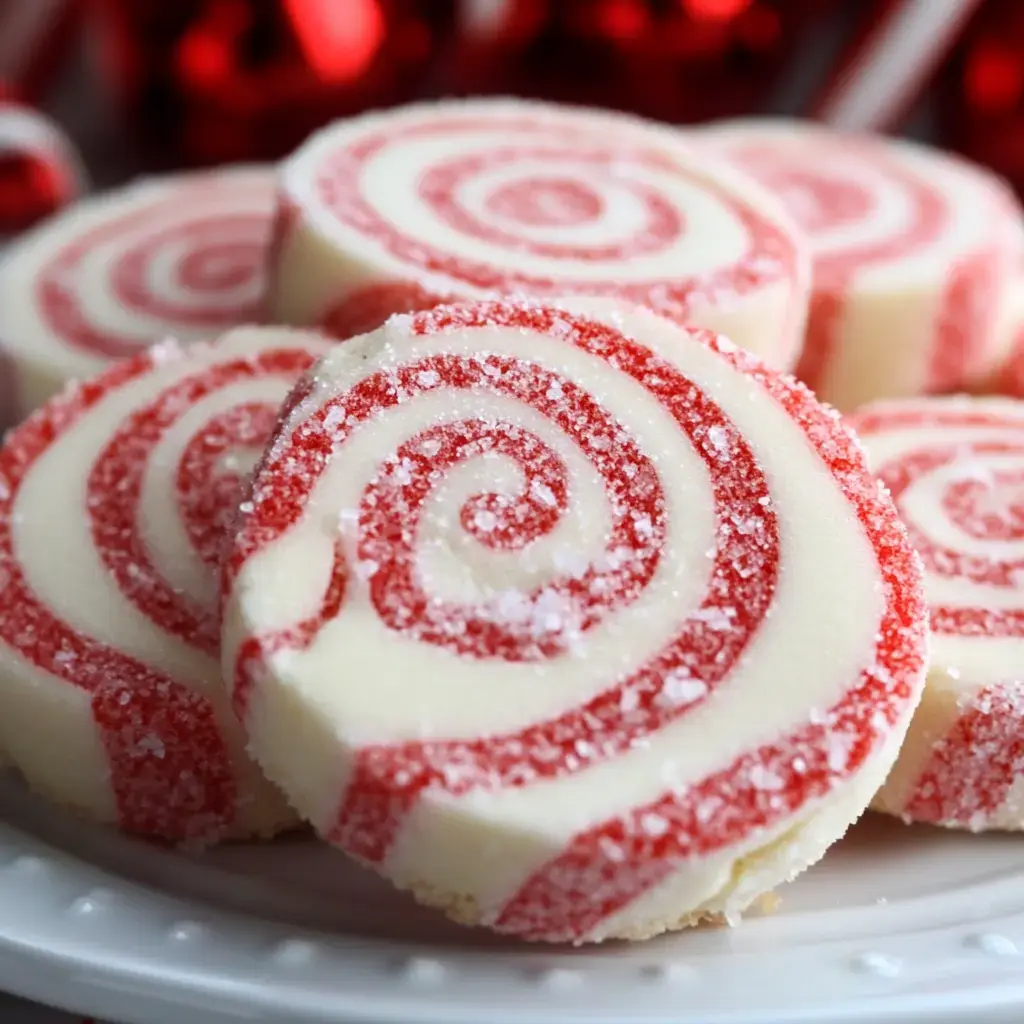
{"x": 365, "y": 568}
{"x": 680, "y": 689}
{"x": 653, "y": 825}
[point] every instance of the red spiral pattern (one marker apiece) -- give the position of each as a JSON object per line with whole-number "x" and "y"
{"x": 969, "y": 772}
{"x": 824, "y": 201}
{"x": 569, "y": 896}
{"x": 206, "y": 495}
{"x": 215, "y": 282}
{"x": 960, "y": 501}
{"x": 558, "y": 200}
{"x": 543, "y": 202}
{"x": 990, "y": 510}
{"x": 170, "y": 768}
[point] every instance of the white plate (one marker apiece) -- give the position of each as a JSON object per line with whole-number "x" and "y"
{"x": 897, "y": 924}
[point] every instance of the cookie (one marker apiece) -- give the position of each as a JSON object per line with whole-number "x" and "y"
{"x": 180, "y": 256}
{"x": 527, "y": 612}
{"x": 955, "y": 468}
{"x": 398, "y": 211}
{"x": 914, "y": 252}
{"x": 114, "y": 501}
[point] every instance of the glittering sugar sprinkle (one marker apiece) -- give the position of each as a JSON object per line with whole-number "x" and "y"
{"x": 716, "y": 618}
{"x": 335, "y": 419}
{"x": 765, "y": 779}
{"x": 165, "y": 351}
{"x": 653, "y": 825}
{"x": 680, "y": 689}
{"x": 718, "y": 437}
{"x": 152, "y": 744}
{"x": 348, "y": 521}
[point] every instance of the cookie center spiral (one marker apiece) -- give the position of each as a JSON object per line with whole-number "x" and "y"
{"x": 546, "y": 202}
{"x": 990, "y": 509}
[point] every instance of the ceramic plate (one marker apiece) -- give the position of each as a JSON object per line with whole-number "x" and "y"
{"x": 896, "y": 924}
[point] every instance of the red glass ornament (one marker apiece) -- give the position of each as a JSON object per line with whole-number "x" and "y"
{"x": 676, "y": 60}
{"x": 29, "y": 191}
{"x": 207, "y": 81}
{"x": 981, "y": 108}
{"x": 39, "y": 171}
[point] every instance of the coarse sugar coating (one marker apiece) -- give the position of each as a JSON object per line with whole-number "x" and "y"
{"x": 527, "y": 613}
{"x": 115, "y": 498}
{"x": 914, "y": 253}
{"x": 398, "y": 211}
{"x": 955, "y": 468}
{"x": 182, "y": 255}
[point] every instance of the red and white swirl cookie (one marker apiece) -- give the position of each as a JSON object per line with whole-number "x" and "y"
{"x": 913, "y": 255}
{"x": 396, "y": 212}
{"x": 955, "y": 469}
{"x": 114, "y": 501}
{"x": 179, "y": 256}
{"x": 539, "y": 592}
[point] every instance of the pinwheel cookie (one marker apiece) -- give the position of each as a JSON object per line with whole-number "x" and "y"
{"x": 527, "y": 612}
{"x": 114, "y": 501}
{"x": 914, "y": 253}
{"x": 179, "y": 256}
{"x": 397, "y": 211}
{"x": 955, "y": 468}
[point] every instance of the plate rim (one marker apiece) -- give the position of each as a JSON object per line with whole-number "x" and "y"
{"x": 77, "y": 934}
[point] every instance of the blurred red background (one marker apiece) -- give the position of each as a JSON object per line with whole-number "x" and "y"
{"x": 144, "y": 84}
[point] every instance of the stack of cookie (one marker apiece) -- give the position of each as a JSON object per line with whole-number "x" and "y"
{"x": 446, "y": 488}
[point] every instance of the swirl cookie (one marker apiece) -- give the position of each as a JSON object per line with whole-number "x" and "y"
{"x": 179, "y": 256}
{"x": 955, "y": 468}
{"x": 114, "y": 500}
{"x": 527, "y": 613}
{"x": 398, "y": 211}
{"x": 914, "y": 252}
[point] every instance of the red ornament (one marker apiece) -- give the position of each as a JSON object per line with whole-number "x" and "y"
{"x": 676, "y": 60}
{"x": 982, "y": 100}
{"x": 209, "y": 81}
{"x": 39, "y": 169}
